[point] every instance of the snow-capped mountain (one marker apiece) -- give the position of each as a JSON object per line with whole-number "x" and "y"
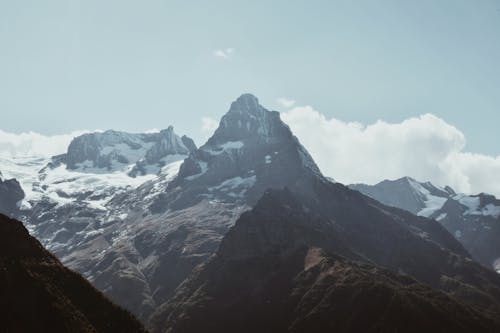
{"x": 136, "y": 213}
{"x": 113, "y": 150}
{"x": 97, "y": 166}
{"x": 173, "y": 224}
{"x": 473, "y": 219}
{"x": 251, "y": 150}
{"x": 406, "y": 193}
{"x": 126, "y": 211}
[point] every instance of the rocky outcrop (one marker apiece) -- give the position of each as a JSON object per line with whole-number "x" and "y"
{"x": 11, "y": 194}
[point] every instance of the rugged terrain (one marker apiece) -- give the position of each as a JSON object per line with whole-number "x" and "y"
{"x": 282, "y": 268}
{"x": 137, "y": 213}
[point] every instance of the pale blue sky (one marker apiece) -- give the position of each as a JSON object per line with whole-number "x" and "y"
{"x": 136, "y": 65}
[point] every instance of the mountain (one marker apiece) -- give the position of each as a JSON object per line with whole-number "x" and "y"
{"x": 174, "y": 224}
{"x": 113, "y": 150}
{"x": 285, "y": 268}
{"x": 137, "y": 236}
{"x": 474, "y": 220}
{"x": 251, "y": 150}
{"x": 408, "y": 194}
{"x": 66, "y": 205}
{"x": 39, "y": 294}
{"x": 11, "y": 195}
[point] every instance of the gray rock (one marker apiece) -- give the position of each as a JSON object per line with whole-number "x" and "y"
{"x": 11, "y": 194}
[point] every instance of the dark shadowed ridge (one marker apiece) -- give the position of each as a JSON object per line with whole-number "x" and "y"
{"x": 282, "y": 268}
{"x": 38, "y": 294}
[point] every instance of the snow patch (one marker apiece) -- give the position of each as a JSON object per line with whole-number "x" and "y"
{"x": 230, "y": 145}
{"x": 230, "y": 185}
{"x": 470, "y": 202}
{"x": 432, "y": 202}
{"x": 441, "y": 216}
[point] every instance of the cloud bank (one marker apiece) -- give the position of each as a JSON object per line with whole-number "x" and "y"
{"x": 425, "y": 147}
{"x": 34, "y": 144}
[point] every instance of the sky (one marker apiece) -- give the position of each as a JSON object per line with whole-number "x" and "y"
{"x": 71, "y": 66}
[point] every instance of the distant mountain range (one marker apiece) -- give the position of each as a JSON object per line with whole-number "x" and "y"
{"x": 474, "y": 220}
{"x": 149, "y": 219}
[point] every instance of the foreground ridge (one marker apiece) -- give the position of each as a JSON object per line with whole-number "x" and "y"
{"x": 39, "y": 294}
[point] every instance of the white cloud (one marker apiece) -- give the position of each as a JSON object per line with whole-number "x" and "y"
{"x": 34, "y": 144}
{"x": 208, "y": 125}
{"x": 223, "y": 53}
{"x": 425, "y": 147}
{"x": 285, "y": 102}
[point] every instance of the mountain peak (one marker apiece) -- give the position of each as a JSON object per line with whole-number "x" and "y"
{"x": 248, "y": 120}
{"x": 251, "y": 150}
{"x": 245, "y": 103}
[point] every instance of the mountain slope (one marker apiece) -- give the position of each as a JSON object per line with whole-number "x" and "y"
{"x": 275, "y": 271}
{"x": 474, "y": 220}
{"x": 40, "y": 295}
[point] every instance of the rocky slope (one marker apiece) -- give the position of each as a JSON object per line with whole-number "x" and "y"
{"x": 283, "y": 268}
{"x": 474, "y": 220}
{"x": 40, "y": 295}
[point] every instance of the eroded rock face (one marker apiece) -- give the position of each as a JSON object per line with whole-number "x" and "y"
{"x": 285, "y": 267}
{"x": 11, "y": 194}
